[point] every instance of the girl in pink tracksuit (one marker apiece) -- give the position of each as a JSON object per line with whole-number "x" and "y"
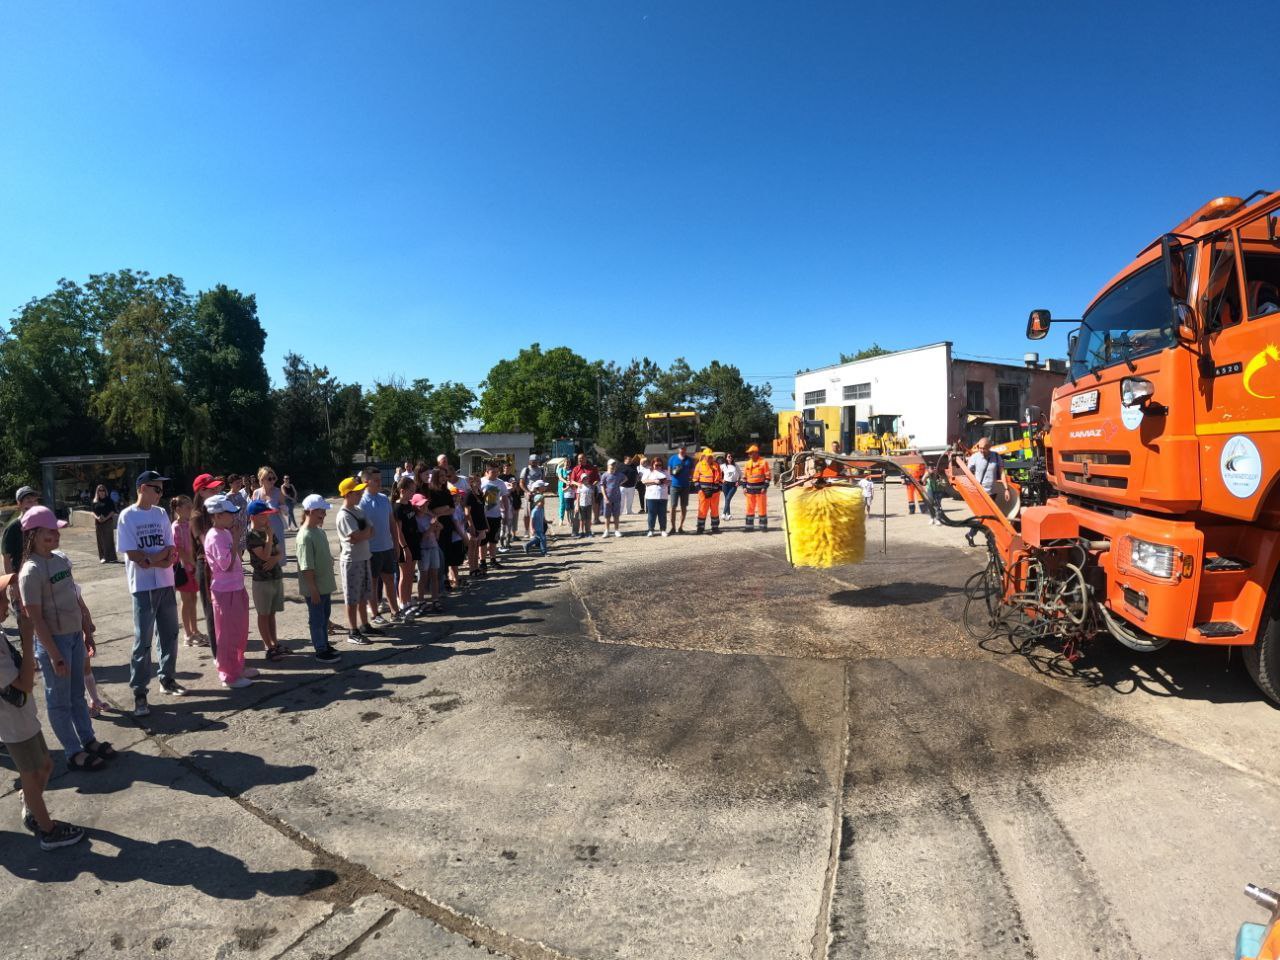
{"x": 230, "y": 599}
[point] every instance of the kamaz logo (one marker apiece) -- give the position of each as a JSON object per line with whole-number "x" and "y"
{"x": 1084, "y": 434}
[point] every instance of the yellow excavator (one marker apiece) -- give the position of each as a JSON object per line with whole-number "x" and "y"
{"x": 883, "y": 437}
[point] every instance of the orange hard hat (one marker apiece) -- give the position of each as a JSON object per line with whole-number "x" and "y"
{"x": 753, "y": 449}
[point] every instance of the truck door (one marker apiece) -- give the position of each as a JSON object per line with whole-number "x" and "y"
{"x": 1238, "y": 400}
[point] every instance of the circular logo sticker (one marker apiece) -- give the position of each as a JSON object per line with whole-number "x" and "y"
{"x": 1241, "y": 467}
{"x": 1131, "y": 417}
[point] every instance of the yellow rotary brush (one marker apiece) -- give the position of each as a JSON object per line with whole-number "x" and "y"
{"x": 825, "y": 526}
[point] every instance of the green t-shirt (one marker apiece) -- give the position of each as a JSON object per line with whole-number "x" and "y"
{"x": 312, "y": 547}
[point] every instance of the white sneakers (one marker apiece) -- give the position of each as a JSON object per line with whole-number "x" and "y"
{"x": 250, "y": 672}
{"x": 666, "y": 533}
{"x": 649, "y": 534}
{"x": 617, "y": 533}
{"x": 239, "y": 683}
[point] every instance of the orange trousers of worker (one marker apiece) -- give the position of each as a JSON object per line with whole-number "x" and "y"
{"x": 709, "y": 503}
{"x": 757, "y": 506}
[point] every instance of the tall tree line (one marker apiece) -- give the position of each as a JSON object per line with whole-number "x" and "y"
{"x": 558, "y": 393}
{"x": 127, "y": 362}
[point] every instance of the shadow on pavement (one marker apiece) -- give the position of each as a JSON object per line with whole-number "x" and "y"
{"x": 174, "y": 863}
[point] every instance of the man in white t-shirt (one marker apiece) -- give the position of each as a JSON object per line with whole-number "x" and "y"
{"x": 144, "y": 536}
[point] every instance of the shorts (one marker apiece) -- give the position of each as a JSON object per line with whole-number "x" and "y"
{"x": 456, "y": 553}
{"x": 268, "y": 596}
{"x": 30, "y": 755}
{"x": 431, "y": 558}
{"x": 495, "y": 528}
{"x": 190, "y": 586}
{"x": 382, "y": 563}
{"x": 613, "y": 507}
{"x": 357, "y": 584}
{"x": 680, "y": 495}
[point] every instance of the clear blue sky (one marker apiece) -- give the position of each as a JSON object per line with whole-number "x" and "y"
{"x": 423, "y": 188}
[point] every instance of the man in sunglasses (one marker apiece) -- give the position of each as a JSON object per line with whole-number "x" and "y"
{"x": 145, "y": 538}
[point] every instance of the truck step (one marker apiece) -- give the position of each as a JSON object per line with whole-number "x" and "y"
{"x": 1219, "y": 628}
{"x": 1225, "y": 564}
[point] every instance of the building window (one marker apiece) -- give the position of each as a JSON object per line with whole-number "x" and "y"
{"x": 975, "y": 398}
{"x": 1010, "y": 402}
{"x": 858, "y": 391}
{"x": 814, "y": 397}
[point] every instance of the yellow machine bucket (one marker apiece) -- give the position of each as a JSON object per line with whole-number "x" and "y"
{"x": 825, "y": 526}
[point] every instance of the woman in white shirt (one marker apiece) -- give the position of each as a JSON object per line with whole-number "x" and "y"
{"x": 657, "y": 485}
{"x": 732, "y": 477}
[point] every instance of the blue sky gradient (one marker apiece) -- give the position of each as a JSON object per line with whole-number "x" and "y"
{"x": 423, "y": 188}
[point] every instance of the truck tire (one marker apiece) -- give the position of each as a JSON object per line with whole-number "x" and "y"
{"x": 1263, "y": 658}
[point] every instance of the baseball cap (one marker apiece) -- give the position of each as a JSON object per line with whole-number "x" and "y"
{"x": 538, "y": 485}
{"x": 25, "y": 492}
{"x": 417, "y": 500}
{"x": 314, "y": 501}
{"x": 149, "y": 476}
{"x": 205, "y": 481}
{"x": 533, "y": 456}
{"x": 260, "y": 506}
{"x": 753, "y": 449}
{"x": 611, "y": 460}
{"x": 350, "y": 485}
{"x": 221, "y": 503}
{"x": 41, "y": 517}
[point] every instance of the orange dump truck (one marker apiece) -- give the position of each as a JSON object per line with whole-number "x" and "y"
{"x": 1159, "y": 508}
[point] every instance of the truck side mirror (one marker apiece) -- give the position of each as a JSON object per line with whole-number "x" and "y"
{"x": 1038, "y": 324}
{"x": 1175, "y": 268}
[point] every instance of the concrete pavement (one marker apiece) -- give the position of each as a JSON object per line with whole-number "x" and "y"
{"x": 664, "y": 748}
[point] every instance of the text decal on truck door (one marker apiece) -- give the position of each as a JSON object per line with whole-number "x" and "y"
{"x": 1084, "y": 402}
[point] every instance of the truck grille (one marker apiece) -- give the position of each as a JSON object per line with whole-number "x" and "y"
{"x": 1117, "y": 458}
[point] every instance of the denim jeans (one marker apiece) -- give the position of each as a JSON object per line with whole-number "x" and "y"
{"x": 64, "y": 696}
{"x": 729, "y": 489}
{"x": 318, "y": 621}
{"x": 155, "y": 614}
{"x": 656, "y": 508}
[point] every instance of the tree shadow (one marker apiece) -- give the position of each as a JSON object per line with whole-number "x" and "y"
{"x": 172, "y": 863}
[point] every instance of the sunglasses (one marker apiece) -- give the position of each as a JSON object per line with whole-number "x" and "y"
{"x": 152, "y": 486}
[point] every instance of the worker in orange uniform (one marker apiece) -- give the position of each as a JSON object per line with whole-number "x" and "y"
{"x": 708, "y": 479}
{"x": 916, "y": 470}
{"x": 755, "y": 483}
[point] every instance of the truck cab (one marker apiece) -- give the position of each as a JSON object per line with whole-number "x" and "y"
{"x": 1164, "y": 444}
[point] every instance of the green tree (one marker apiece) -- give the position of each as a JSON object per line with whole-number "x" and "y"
{"x": 866, "y": 353}
{"x": 398, "y": 421}
{"x": 302, "y": 425}
{"x": 447, "y": 406}
{"x": 350, "y": 431}
{"x": 671, "y": 389}
{"x": 549, "y": 394}
{"x": 220, "y": 352}
{"x": 50, "y": 367}
{"x": 733, "y": 411}
{"x": 141, "y": 397}
{"x": 622, "y": 405}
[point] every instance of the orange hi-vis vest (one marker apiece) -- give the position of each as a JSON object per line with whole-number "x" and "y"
{"x": 756, "y": 475}
{"x": 708, "y": 475}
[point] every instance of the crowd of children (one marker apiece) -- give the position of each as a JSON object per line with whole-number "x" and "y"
{"x": 399, "y": 552}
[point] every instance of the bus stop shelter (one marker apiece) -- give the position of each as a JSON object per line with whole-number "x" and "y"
{"x": 67, "y": 483}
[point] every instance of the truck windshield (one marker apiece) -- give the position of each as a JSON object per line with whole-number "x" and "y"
{"x": 1134, "y": 319}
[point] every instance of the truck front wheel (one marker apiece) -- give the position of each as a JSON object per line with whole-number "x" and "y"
{"x": 1263, "y": 658}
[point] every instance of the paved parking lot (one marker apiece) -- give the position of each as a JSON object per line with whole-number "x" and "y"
{"x": 677, "y": 748}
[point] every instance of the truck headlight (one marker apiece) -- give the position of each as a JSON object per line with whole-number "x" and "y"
{"x": 1157, "y": 559}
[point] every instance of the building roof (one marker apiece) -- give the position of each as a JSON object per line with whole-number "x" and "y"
{"x": 879, "y": 356}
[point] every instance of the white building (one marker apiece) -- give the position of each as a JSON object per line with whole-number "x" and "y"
{"x": 933, "y": 393}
